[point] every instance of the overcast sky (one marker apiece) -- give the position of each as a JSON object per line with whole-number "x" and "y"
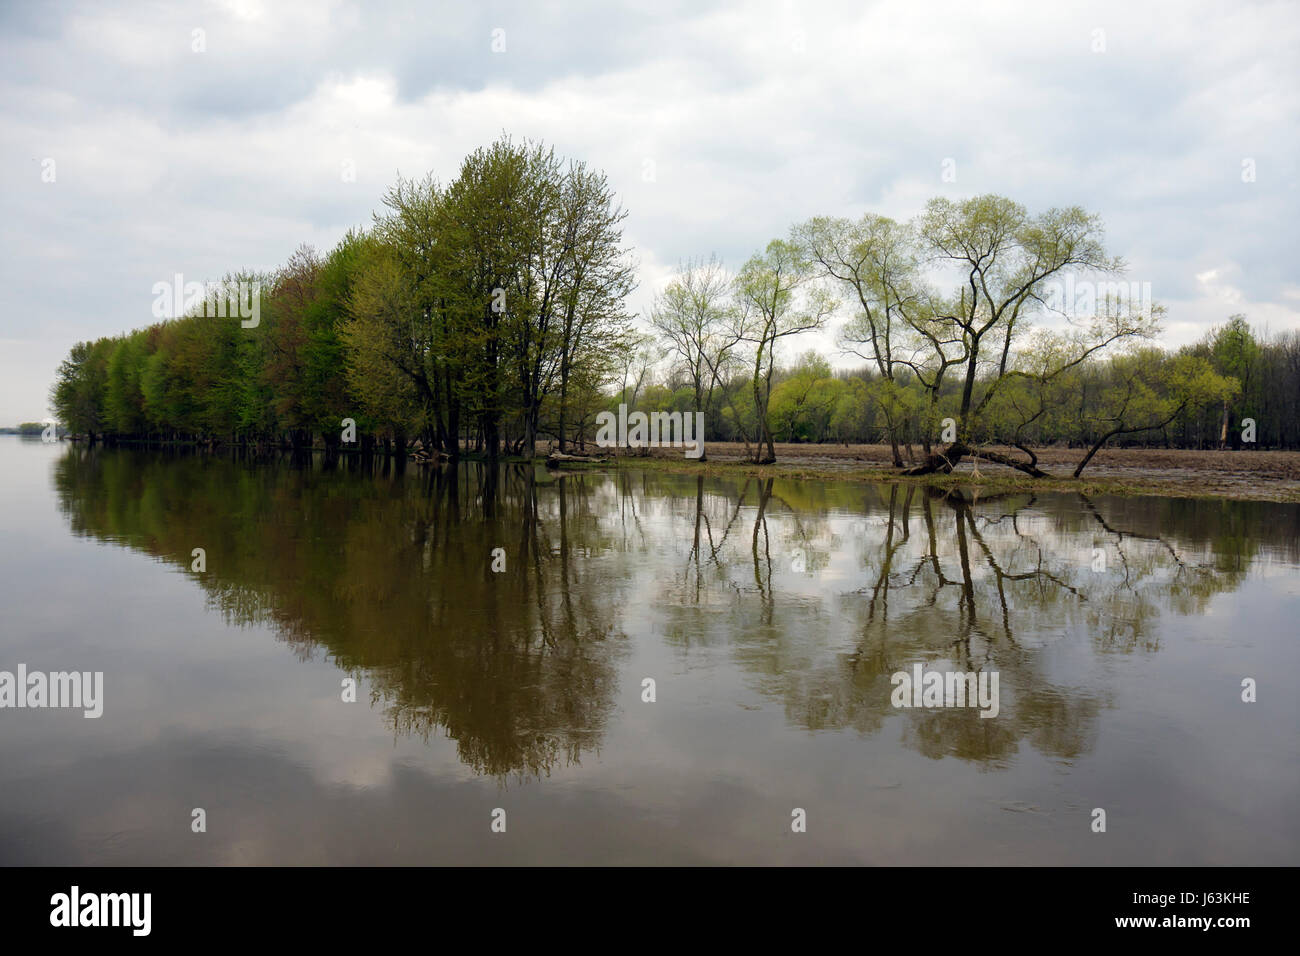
{"x": 173, "y": 151}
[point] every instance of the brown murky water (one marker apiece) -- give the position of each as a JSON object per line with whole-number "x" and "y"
{"x": 501, "y": 625}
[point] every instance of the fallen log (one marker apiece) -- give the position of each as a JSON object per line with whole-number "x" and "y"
{"x": 559, "y": 457}
{"x": 422, "y": 457}
{"x": 942, "y": 462}
{"x": 945, "y": 461}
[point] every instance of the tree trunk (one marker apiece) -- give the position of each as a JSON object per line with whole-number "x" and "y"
{"x": 893, "y": 447}
{"x": 945, "y": 461}
{"x": 941, "y": 462}
{"x": 1094, "y": 449}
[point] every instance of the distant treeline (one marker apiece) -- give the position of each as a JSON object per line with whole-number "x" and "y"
{"x": 26, "y": 428}
{"x": 812, "y": 402}
{"x": 489, "y": 315}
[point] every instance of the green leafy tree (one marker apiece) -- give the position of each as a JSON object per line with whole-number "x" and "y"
{"x": 777, "y": 301}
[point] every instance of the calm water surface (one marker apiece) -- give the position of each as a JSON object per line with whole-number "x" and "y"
{"x": 770, "y": 614}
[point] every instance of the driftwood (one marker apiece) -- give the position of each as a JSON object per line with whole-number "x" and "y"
{"x": 559, "y": 457}
{"x": 422, "y": 457}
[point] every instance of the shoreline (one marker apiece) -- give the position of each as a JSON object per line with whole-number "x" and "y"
{"x": 994, "y": 479}
{"x": 1272, "y": 476}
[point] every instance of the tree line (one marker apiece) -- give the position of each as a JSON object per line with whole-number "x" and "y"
{"x": 815, "y": 403}
{"x": 475, "y": 315}
{"x": 974, "y": 333}
{"x": 490, "y": 314}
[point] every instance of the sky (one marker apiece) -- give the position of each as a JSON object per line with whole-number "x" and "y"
{"x": 139, "y": 141}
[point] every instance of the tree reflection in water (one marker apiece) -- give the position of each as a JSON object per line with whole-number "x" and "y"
{"x": 388, "y": 572}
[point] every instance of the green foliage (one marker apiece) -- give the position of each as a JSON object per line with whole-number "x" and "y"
{"x": 463, "y": 315}
{"x": 490, "y": 312}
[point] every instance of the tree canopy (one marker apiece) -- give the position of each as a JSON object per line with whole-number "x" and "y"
{"x": 490, "y": 314}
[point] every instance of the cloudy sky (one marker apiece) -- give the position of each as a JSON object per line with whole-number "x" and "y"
{"x": 141, "y": 140}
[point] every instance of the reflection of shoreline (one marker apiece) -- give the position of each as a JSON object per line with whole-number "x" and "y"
{"x": 389, "y": 574}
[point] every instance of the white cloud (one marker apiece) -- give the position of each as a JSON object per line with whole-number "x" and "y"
{"x": 754, "y": 117}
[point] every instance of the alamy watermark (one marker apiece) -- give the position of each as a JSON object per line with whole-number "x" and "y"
{"x": 923, "y": 688}
{"x": 129, "y": 910}
{"x": 229, "y": 298}
{"x": 655, "y": 430}
{"x": 1086, "y": 298}
{"x": 56, "y": 689}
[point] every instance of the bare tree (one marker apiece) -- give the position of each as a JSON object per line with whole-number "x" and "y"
{"x": 695, "y": 316}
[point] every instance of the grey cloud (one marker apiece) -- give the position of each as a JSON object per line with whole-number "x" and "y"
{"x": 755, "y": 116}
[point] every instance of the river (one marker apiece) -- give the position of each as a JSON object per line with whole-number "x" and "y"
{"x": 316, "y": 661}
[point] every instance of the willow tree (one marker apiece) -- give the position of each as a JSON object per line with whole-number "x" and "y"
{"x": 1146, "y": 391}
{"x": 777, "y": 300}
{"x": 1005, "y": 258}
{"x": 695, "y": 317}
{"x": 875, "y": 261}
